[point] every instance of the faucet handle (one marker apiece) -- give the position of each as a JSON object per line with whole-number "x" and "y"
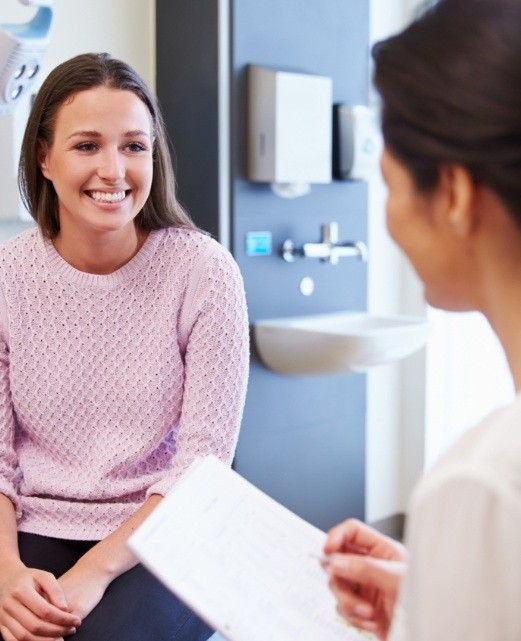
{"x": 329, "y": 249}
{"x": 330, "y": 233}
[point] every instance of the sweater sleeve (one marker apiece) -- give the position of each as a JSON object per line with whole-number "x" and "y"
{"x": 464, "y": 558}
{"x": 216, "y": 366}
{"x": 8, "y": 458}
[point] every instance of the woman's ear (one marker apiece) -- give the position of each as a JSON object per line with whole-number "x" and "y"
{"x": 42, "y": 157}
{"x": 460, "y": 190}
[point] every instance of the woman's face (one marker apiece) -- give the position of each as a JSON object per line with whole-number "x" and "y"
{"x": 419, "y": 223}
{"x": 100, "y": 160}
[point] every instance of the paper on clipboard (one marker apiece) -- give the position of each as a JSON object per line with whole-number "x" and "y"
{"x": 240, "y": 560}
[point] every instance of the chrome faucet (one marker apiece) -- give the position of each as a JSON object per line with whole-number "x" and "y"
{"x": 328, "y": 249}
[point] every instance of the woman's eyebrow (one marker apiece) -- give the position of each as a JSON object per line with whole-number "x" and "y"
{"x": 136, "y": 132}
{"x": 87, "y": 133}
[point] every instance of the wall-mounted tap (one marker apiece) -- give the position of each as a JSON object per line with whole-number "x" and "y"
{"x": 329, "y": 249}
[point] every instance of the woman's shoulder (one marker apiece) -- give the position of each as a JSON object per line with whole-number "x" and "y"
{"x": 487, "y": 455}
{"x": 185, "y": 238}
{"x": 27, "y": 237}
{"x": 495, "y": 440}
{"x": 190, "y": 246}
{"x": 15, "y": 250}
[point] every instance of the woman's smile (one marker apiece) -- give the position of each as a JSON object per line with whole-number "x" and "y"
{"x": 108, "y": 197}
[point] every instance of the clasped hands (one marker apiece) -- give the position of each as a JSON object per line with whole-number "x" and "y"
{"x": 365, "y": 570}
{"x": 35, "y": 606}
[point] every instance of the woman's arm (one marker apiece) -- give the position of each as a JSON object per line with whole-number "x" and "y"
{"x": 31, "y": 601}
{"x": 216, "y": 367}
{"x": 85, "y": 583}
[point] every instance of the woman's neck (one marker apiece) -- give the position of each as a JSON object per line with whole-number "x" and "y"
{"x": 102, "y": 253}
{"x": 510, "y": 338}
{"x": 497, "y": 272}
{"x": 503, "y": 311}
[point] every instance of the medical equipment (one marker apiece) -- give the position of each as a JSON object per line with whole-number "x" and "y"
{"x": 21, "y": 49}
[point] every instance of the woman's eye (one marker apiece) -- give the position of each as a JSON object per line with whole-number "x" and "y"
{"x": 86, "y": 146}
{"x": 136, "y": 146}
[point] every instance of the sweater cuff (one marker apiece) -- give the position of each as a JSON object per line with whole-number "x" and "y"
{"x": 162, "y": 487}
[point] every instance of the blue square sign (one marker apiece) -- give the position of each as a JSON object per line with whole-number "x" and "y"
{"x": 258, "y": 243}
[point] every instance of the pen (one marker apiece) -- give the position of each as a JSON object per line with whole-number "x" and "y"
{"x": 323, "y": 558}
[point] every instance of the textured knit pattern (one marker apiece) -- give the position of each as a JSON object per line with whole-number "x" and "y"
{"x": 111, "y": 385}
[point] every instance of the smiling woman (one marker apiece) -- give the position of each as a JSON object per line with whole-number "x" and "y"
{"x": 123, "y": 357}
{"x": 100, "y": 165}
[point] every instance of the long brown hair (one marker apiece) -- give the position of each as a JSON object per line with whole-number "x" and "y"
{"x": 83, "y": 72}
{"x": 451, "y": 94}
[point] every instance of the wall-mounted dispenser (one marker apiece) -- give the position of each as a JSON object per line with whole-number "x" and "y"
{"x": 357, "y": 142}
{"x": 290, "y": 129}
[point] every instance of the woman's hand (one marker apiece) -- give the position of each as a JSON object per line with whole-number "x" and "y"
{"x": 33, "y": 606}
{"x": 366, "y": 569}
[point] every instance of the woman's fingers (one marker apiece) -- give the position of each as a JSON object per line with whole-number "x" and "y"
{"x": 349, "y": 601}
{"x": 367, "y": 571}
{"x": 15, "y": 631}
{"x": 6, "y": 635}
{"x": 351, "y": 534}
{"x": 363, "y": 624}
{"x": 357, "y": 537}
{"x": 47, "y": 601}
{"x": 28, "y": 613}
{"x": 50, "y": 586}
{"x": 39, "y": 627}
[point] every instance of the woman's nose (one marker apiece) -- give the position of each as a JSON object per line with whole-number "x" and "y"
{"x": 112, "y": 166}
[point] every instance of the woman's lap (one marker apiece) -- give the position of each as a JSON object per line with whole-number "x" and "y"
{"x": 135, "y": 607}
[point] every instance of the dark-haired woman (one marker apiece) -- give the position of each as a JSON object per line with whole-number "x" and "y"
{"x": 123, "y": 356}
{"x": 451, "y": 116}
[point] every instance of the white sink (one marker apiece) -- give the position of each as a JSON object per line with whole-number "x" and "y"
{"x": 337, "y": 342}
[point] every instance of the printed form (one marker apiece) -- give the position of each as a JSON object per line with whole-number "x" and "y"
{"x": 240, "y": 560}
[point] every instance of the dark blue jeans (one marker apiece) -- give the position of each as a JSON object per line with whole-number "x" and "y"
{"x": 135, "y": 607}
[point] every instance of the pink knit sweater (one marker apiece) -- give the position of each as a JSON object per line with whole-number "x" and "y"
{"x": 111, "y": 385}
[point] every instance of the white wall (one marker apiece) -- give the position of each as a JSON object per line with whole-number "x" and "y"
{"x": 124, "y": 28}
{"x": 396, "y": 393}
{"x": 464, "y": 382}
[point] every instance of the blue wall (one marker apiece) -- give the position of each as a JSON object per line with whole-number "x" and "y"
{"x": 303, "y": 438}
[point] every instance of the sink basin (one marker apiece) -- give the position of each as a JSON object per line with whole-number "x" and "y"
{"x": 337, "y": 342}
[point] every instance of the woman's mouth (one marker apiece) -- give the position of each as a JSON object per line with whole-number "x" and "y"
{"x": 107, "y": 197}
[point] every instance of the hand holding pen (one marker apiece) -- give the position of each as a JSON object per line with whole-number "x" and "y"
{"x": 365, "y": 569}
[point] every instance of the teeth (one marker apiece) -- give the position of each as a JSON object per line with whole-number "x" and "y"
{"x": 105, "y": 197}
